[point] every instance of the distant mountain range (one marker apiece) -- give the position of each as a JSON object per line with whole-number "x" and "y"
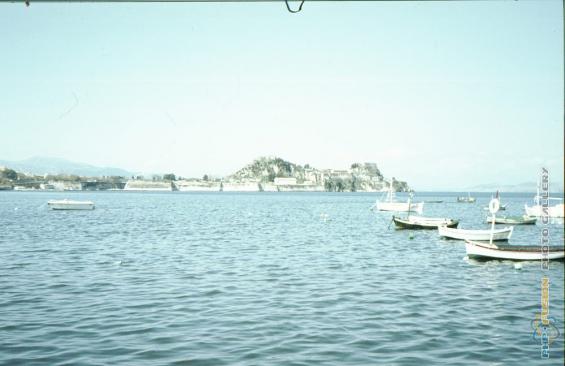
{"x": 46, "y": 165}
{"x": 520, "y": 187}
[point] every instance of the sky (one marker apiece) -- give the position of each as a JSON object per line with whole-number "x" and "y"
{"x": 444, "y": 95}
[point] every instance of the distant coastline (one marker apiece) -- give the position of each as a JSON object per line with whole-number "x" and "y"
{"x": 265, "y": 174}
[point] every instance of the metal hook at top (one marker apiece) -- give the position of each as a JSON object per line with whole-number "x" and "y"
{"x": 294, "y": 11}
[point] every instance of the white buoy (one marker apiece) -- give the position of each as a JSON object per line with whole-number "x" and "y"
{"x": 517, "y": 265}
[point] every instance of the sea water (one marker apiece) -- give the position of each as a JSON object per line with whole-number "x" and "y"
{"x": 263, "y": 279}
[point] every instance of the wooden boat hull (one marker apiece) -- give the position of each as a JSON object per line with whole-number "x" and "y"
{"x": 70, "y": 205}
{"x": 479, "y": 235}
{"x": 513, "y": 220}
{"x": 484, "y": 250}
{"x": 419, "y": 223}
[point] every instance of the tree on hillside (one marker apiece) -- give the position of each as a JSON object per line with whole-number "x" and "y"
{"x": 339, "y": 186}
{"x": 354, "y": 184}
{"x": 169, "y": 176}
{"x": 10, "y": 174}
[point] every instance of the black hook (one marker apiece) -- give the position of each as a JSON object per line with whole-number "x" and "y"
{"x": 294, "y": 11}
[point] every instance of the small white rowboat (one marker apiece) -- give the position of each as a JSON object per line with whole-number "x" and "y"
{"x": 484, "y": 235}
{"x": 400, "y": 206}
{"x": 70, "y": 205}
{"x": 420, "y": 222}
{"x": 513, "y": 220}
{"x": 486, "y": 250}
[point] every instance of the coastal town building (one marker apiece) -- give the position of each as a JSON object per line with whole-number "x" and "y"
{"x": 285, "y": 181}
{"x": 147, "y": 185}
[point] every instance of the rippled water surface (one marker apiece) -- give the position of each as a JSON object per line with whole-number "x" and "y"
{"x": 260, "y": 279}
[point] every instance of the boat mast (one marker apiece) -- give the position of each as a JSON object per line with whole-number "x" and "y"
{"x": 409, "y": 204}
{"x": 390, "y": 191}
{"x": 493, "y": 207}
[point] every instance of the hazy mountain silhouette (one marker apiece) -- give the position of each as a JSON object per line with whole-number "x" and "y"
{"x": 46, "y": 165}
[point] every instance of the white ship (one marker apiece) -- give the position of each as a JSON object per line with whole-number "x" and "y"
{"x": 70, "y": 205}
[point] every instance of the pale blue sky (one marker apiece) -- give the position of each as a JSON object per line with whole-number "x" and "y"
{"x": 442, "y": 94}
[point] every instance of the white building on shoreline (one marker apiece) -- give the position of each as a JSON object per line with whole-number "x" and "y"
{"x": 147, "y": 185}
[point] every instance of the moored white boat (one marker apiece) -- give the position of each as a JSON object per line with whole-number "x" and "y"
{"x": 420, "y": 222}
{"x": 552, "y": 211}
{"x": 464, "y": 234}
{"x": 400, "y": 206}
{"x": 70, "y": 205}
{"x": 513, "y": 220}
{"x": 391, "y": 204}
{"x": 486, "y": 250}
{"x": 501, "y": 206}
{"x": 467, "y": 199}
{"x": 538, "y": 209}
